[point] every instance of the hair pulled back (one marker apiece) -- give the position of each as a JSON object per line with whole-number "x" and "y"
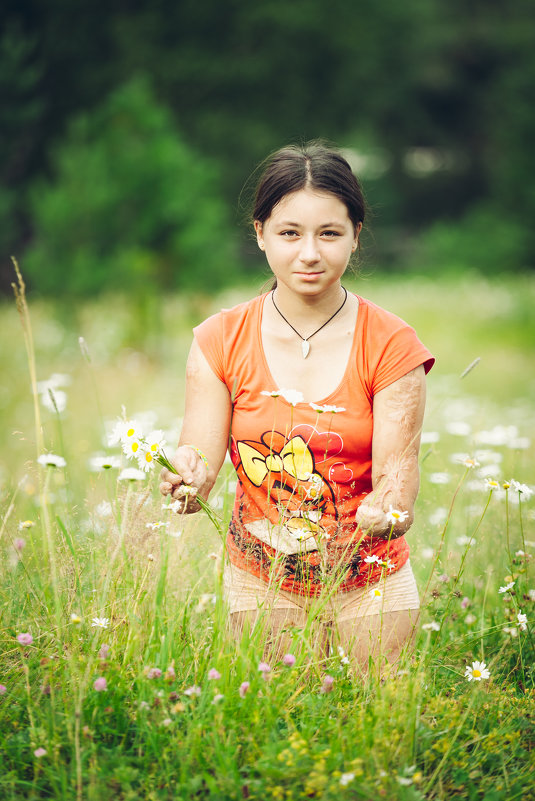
{"x": 313, "y": 165}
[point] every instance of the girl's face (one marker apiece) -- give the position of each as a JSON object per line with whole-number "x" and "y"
{"x": 308, "y": 241}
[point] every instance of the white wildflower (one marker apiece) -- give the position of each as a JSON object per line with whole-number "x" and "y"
{"x": 51, "y": 460}
{"x": 432, "y": 626}
{"x": 100, "y": 622}
{"x": 469, "y": 462}
{"x": 327, "y": 408}
{"x": 458, "y": 428}
{"x": 292, "y": 396}
{"x": 522, "y": 621}
{"x": 513, "y": 632}
{"x": 464, "y": 540}
{"x": 97, "y": 463}
{"x": 396, "y": 516}
{"x": 131, "y": 474}
{"x": 439, "y": 478}
{"x": 522, "y": 489}
{"x": 104, "y": 509}
{"x": 477, "y": 671}
{"x": 507, "y": 587}
{"x": 54, "y": 400}
{"x": 156, "y": 526}
{"x": 429, "y": 437}
{"x": 123, "y": 431}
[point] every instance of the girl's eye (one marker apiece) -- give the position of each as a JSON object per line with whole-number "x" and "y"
{"x": 289, "y": 234}
{"x": 330, "y": 233}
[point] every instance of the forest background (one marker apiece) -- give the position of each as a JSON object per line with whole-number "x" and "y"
{"x": 128, "y": 131}
{"x": 129, "y": 136}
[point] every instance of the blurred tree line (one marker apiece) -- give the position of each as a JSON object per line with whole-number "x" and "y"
{"x": 128, "y": 129}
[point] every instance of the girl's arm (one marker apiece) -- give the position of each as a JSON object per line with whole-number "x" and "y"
{"x": 205, "y": 432}
{"x": 398, "y": 412}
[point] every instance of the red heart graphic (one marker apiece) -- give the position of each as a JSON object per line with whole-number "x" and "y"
{"x": 323, "y": 446}
{"x": 339, "y": 473}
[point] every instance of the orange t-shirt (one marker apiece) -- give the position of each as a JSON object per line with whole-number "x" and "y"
{"x": 302, "y": 473}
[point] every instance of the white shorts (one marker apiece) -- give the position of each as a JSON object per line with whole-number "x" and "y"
{"x": 245, "y": 592}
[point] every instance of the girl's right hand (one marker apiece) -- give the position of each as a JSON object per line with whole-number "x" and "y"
{"x": 191, "y": 476}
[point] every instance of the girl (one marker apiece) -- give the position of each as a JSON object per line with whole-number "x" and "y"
{"x": 319, "y": 395}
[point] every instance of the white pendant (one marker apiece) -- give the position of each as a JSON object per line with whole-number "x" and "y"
{"x": 305, "y": 347}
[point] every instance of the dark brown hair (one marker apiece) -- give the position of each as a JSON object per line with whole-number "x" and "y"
{"x": 312, "y": 165}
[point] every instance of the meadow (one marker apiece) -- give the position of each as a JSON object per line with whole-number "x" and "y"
{"x": 118, "y": 679}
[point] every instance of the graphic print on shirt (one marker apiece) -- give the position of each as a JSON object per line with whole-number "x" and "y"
{"x": 300, "y": 501}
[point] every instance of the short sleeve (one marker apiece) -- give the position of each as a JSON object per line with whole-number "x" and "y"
{"x": 392, "y": 348}
{"x": 402, "y": 353}
{"x": 209, "y": 336}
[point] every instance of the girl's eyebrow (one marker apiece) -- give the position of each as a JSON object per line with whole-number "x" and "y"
{"x": 323, "y": 225}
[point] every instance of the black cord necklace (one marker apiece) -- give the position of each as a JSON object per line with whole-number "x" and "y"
{"x": 305, "y": 345}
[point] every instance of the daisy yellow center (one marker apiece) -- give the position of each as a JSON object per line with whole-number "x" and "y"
{"x": 154, "y": 447}
{"x": 476, "y": 673}
{"x": 377, "y": 593}
{"x": 396, "y": 515}
{"x": 148, "y": 457}
{"x": 135, "y": 446}
{"x": 130, "y": 432}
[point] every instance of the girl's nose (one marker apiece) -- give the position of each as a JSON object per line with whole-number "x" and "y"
{"x": 309, "y": 250}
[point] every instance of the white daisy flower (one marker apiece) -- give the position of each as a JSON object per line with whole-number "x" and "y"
{"x": 292, "y": 396}
{"x": 125, "y": 430}
{"x": 492, "y": 484}
{"x": 155, "y": 441}
{"x": 371, "y": 559}
{"x": 346, "y": 778}
{"x": 51, "y": 460}
{"x": 469, "y": 462}
{"x": 327, "y": 408}
{"x": 145, "y": 460}
{"x": 477, "y": 671}
{"x": 396, "y": 516}
{"x": 432, "y": 626}
{"x": 104, "y": 509}
{"x": 55, "y": 381}
{"x": 97, "y": 463}
{"x": 132, "y": 447}
{"x": 522, "y": 489}
{"x": 439, "y": 478}
{"x": 100, "y": 622}
{"x": 429, "y": 437}
{"x": 131, "y": 474}
{"x": 54, "y": 400}
{"x": 376, "y": 592}
{"x": 507, "y": 587}
{"x": 522, "y": 621}
{"x": 458, "y": 428}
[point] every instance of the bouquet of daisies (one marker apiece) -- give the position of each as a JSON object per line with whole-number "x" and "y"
{"x": 147, "y": 451}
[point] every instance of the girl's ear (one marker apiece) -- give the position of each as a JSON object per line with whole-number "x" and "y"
{"x": 358, "y": 229}
{"x": 259, "y": 236}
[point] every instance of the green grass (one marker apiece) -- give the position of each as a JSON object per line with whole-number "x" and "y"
{"x": 424, "y": 733}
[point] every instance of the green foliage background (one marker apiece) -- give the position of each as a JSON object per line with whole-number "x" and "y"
{"x": 128, "y": 131}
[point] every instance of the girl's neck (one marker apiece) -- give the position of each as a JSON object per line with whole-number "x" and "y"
{"x": 299, "y": 306}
